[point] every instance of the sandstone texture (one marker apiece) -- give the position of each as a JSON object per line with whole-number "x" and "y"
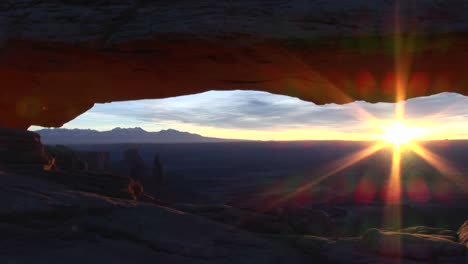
{"x": 43, "y": 221}
{"x": 21, "y": 149}
{"x": 60, "y": 57}
{"x": 463, "y": 234}
{"x": 71, "y": 160}
{"x": 78, "y": 216}
{"x": 411, "y": 246}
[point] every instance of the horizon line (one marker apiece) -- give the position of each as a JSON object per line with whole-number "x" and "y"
{"x": 234, "y": 139}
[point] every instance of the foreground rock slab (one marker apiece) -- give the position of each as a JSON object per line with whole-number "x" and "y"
{"x": 19, "y": 148}
{"x": 411, "y": 246}
{"x": 46, "y": 222}
{"x": 463, "y": 233}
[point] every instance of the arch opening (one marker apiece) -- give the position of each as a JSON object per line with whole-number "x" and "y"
{"x": 297, "y": 152}
{"x": 61, "y": 58}
{"x": 257, "y": 115}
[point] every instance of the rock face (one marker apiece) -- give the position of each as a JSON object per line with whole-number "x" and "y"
{"x": 158, "y": 172}
{"x": 61, "y": 57}
{"x": 95, "y": 160}
{"x": 424, "y": 230}
{"x": 69, "y": 159}
{"x": 312, "y": 222}
{"x": 378, "y": 246}
{"x": 134, "y": 164}
{"x": 55, "y": 223}
{"x": 20, "y": 148}
{"x": 411, "y": 246}
{"x": 463, "y": 234}
{"x": 65, "y": 158}
{"x": 84, "y": 217}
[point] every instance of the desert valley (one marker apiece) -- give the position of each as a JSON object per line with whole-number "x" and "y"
{"x": 224, "y": 202}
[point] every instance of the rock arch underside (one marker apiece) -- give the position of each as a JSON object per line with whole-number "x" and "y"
{"x": 60, "y": 57}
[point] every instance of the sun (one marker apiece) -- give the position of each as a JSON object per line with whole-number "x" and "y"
{"x": 399, "y": 134}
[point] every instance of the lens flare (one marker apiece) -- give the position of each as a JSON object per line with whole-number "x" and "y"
{"x": 399, "y": 134}
{"x": 396, "y": 133}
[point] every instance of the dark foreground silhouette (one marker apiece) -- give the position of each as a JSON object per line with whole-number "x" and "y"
{"x": 228, "y": 203}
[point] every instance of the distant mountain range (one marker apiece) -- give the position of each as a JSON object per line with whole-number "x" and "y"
{"x": 121, "y": 135}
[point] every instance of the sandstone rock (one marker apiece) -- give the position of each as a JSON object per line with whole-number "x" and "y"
{"x": 289, "y": 222}
{"x": 244, "y": 219}
{"x": 349, "y": 251}
{"x": 411, "y": 246}
{"x": 311, "y": 244}
{"x": 356, "y": 250}
{"x": 158, "y": 172}
{"x": 264, "y": 224}
{"x": 20, "y": 148}
{"x": 463, "y": 234}
{"x": 106, "y": 51}
{"x": 54, "y": 223}
{"x": 308, "y": 222}
{"x": 69, "y": 159}
{"x": 135, "y": 166}
{"x": 95, "y": 161}
{"x": 65, "y": 157}
{"x": 135, "y": 189}
{"x": 425, "y": 230}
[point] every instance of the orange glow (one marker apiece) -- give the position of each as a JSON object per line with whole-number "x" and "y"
{"x": 393, "y": 194}
{"x": 435, "y": 160}
{"x": 392, "y": 210}
{"x": 394, "y": 132}
{"x": 365, "y": 83}
{"x": 399, "y": 134}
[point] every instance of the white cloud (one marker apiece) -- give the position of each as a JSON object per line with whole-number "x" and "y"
{"x": 261, "y": 111}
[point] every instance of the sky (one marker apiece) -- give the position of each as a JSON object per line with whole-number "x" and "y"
{"x": 265, "y": 116}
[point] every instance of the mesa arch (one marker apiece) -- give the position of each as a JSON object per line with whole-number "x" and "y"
{"x": 59, "y": 57}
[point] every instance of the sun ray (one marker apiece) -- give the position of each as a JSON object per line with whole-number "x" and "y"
{"x": 336, "y": 167}
{"x": 435, "y": 160}
{"x": 441, "y": 165}
{"x": 393, "y": 191}
{"x": 399, "y": 135}
{"x": 392, "y": 210}
{"x": 311, "y": 77}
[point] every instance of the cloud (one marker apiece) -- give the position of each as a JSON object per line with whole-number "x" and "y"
{"x": 254, "y": 110}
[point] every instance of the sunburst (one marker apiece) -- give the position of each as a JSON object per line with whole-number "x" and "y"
{"x": 400, "y": 134}
{"x": 395, "y": 133}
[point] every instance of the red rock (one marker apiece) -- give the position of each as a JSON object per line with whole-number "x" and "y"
{"x": 55, "y": 67}
{"x": 20, "y": 148}
{"x": 463, "y": 234}
{"x": 410, "y": 246}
